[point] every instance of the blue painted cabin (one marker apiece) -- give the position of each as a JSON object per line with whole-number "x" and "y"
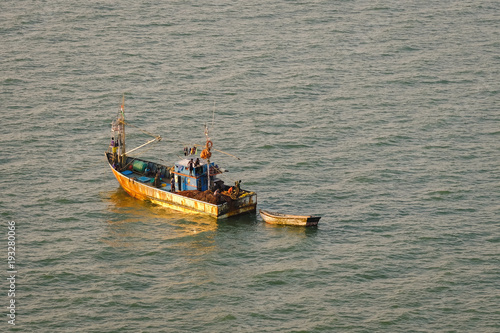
{"x": 197, "y": 180}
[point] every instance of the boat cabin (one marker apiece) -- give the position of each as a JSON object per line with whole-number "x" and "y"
{"x": 198, "y": 179}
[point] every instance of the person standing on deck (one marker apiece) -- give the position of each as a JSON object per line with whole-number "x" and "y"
{"x": 172, "y": 184}
{"x": 157, "y": 179}
{"x": 191, "y": 167}
{"x": 113, "y": 145}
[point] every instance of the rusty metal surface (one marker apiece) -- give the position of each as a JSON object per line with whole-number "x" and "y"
{"x": 246, "y": 203}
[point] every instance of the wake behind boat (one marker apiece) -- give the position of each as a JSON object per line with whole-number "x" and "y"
{"x": 187, "y": 185}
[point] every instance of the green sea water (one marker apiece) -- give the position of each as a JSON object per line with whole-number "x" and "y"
{"x": 382, "y": 117}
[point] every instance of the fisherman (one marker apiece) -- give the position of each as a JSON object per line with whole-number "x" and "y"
{"x": 172, "y": 184}
{"x": 217, "y": 196}
{"x": 237, "y": 187}
{"x": 191, "y": 167}
{"x": 157, "y": 181}
{"x": 197, "y": 162}
{"x": 113, "y": 145}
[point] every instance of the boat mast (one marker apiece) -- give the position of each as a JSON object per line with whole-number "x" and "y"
{"x": 208, "y": 148}
{"x": 123, "y": 157}
{"x": 208, "y": 159}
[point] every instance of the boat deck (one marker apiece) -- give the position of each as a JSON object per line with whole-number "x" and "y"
{"x": 145, "y": 180}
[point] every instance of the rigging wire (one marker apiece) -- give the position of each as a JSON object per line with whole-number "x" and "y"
{"x": 141, "y": 153}
{"x": 213, "y": 116}
{"x": 140, "y": 129}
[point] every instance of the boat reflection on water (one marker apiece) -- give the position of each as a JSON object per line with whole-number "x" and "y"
{"x": 132, "y": 221}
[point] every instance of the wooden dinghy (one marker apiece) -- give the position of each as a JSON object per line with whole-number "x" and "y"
{"x": 286, "y": 219}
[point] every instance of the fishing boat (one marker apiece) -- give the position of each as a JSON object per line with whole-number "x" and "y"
{"x": 286, "y": 219}
{"x": 186, "y": 186}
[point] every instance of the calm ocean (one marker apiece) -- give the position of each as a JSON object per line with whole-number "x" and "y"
{"x": 381, "y": 116}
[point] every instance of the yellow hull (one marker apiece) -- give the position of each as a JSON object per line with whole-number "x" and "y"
{"x": 142, "y": 191}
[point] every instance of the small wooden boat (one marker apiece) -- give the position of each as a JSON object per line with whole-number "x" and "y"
{"x": 286, "y": 219}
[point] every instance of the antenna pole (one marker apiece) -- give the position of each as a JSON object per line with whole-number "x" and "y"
{"x": 208, "y": 159}
{"x": 122, "y": 132}
{"x": 213, "y": 115}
